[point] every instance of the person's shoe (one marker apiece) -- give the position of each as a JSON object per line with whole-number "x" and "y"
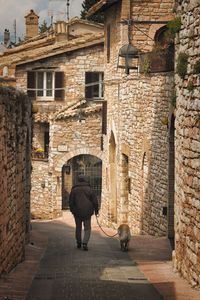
{"x": 78, "y": 245}
{"x": 85, "y": 247}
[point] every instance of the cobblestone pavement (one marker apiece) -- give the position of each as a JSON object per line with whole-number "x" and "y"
{"x": 103, "y": 272}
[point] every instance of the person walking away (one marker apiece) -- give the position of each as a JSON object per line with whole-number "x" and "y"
{"x": 83, "y": 203}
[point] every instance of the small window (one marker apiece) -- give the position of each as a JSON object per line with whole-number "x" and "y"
{"x": 45, "y": 85}
{"x": 40, "y": 148}
{"x": 94, "y": 85}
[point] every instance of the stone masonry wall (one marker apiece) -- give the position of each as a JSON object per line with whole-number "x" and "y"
{"x": 143, "y": 130}
{"x": 15, "y": 144}
{"x": 74, "y": 65}
{"x": 138, "y": 125}
{"x": 187, "y": 193}
{"x": 70, "y": 138}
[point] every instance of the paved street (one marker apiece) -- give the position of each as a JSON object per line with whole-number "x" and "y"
{"x": 55, "y": 269}
{"x": 104, "y": 272}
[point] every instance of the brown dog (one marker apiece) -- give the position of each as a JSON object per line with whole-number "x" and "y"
{"x": 124, "y": 236}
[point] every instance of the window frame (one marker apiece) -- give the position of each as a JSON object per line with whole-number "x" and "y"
{"x": 100, "y": 84}
{"x": 44, "y": 89}
{"x": 57, "y": 85}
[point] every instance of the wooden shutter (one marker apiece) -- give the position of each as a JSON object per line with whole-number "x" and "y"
{"x": 108, "y": 42}
{"x": 88, "y": 89}
{"x": 59, "y": 84}
{"x": 104, "y": 117}
{"x": 31, "y": 84}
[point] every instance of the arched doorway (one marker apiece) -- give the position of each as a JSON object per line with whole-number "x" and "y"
{"x": 125, "y": 188}
{"x": 165, "y": 45}
{"x": 145, "y": 203}
{"x": 171, "y": 180}
{"x": 113, "y": 185}
{"x": 90, "y": 166}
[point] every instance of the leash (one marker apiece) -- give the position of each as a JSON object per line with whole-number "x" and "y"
{"x": 104, "y": 231}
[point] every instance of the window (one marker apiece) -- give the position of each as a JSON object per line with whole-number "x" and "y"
{"x": 40, "y": 148}
{"x": 45, "y": 85}
{"x": 94, "y": 85}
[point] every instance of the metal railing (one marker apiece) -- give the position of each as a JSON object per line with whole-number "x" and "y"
{"x": 39, "y": 155}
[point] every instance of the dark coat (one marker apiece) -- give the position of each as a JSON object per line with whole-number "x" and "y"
{"x": 82, "y": 201}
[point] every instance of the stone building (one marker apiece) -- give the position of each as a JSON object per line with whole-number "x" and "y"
{"x": 15, "y": 165}
{"x": 137, "y": 167}
{"x": 62, "y": 72}
{"x": 109, "y": 112}
{"x": 187, "y": 193}
{"x": 156, "y": 164}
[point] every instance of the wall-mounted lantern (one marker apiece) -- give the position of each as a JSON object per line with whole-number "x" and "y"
{"x": 128, "y": 58}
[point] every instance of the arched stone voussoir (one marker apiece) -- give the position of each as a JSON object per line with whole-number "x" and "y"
{"x": 67, "y": 156}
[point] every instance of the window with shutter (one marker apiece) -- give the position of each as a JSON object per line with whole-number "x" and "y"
{"x": 59, "y": 86}
{"x": 108, "y": 42}
{"x": 93, "y": 85}
{"x": 45, "y": 85}
{"x": 31, "y": 84}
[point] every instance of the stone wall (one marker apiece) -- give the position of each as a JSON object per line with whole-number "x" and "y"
{"x": 15, "y": 145}
{"x": 138, "y": 106}
{"x": 70, "y": 138}
{"x": 137, "y": 123}
{"x": 187, "y": 194}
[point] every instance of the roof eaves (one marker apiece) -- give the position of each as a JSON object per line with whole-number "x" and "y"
{"x": 83, "y": 21}
{"x": 100, "y": 6}
{"x": 74, "y": 111}
{"x": 33, "y": 44}
{"x": 62, "y": 49}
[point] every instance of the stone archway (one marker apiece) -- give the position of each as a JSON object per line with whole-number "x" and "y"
{"x": 87, "y": 164}
{"x": 58, "y": 163}
{"x": 145, "y": 204}
{"x": 125, "y": 188}
{"x": 59, "y": 167}
{"x": 113, "y": 185}
{"x": 171, "y": 181}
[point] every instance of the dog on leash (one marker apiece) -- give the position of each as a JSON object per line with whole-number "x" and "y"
{"x": 124, "y": 236}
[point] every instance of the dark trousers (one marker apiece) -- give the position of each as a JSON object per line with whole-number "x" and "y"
{"x": 87, "y": 230}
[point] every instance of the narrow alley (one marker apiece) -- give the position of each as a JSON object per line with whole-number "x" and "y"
{"x": 54, "y": 269}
